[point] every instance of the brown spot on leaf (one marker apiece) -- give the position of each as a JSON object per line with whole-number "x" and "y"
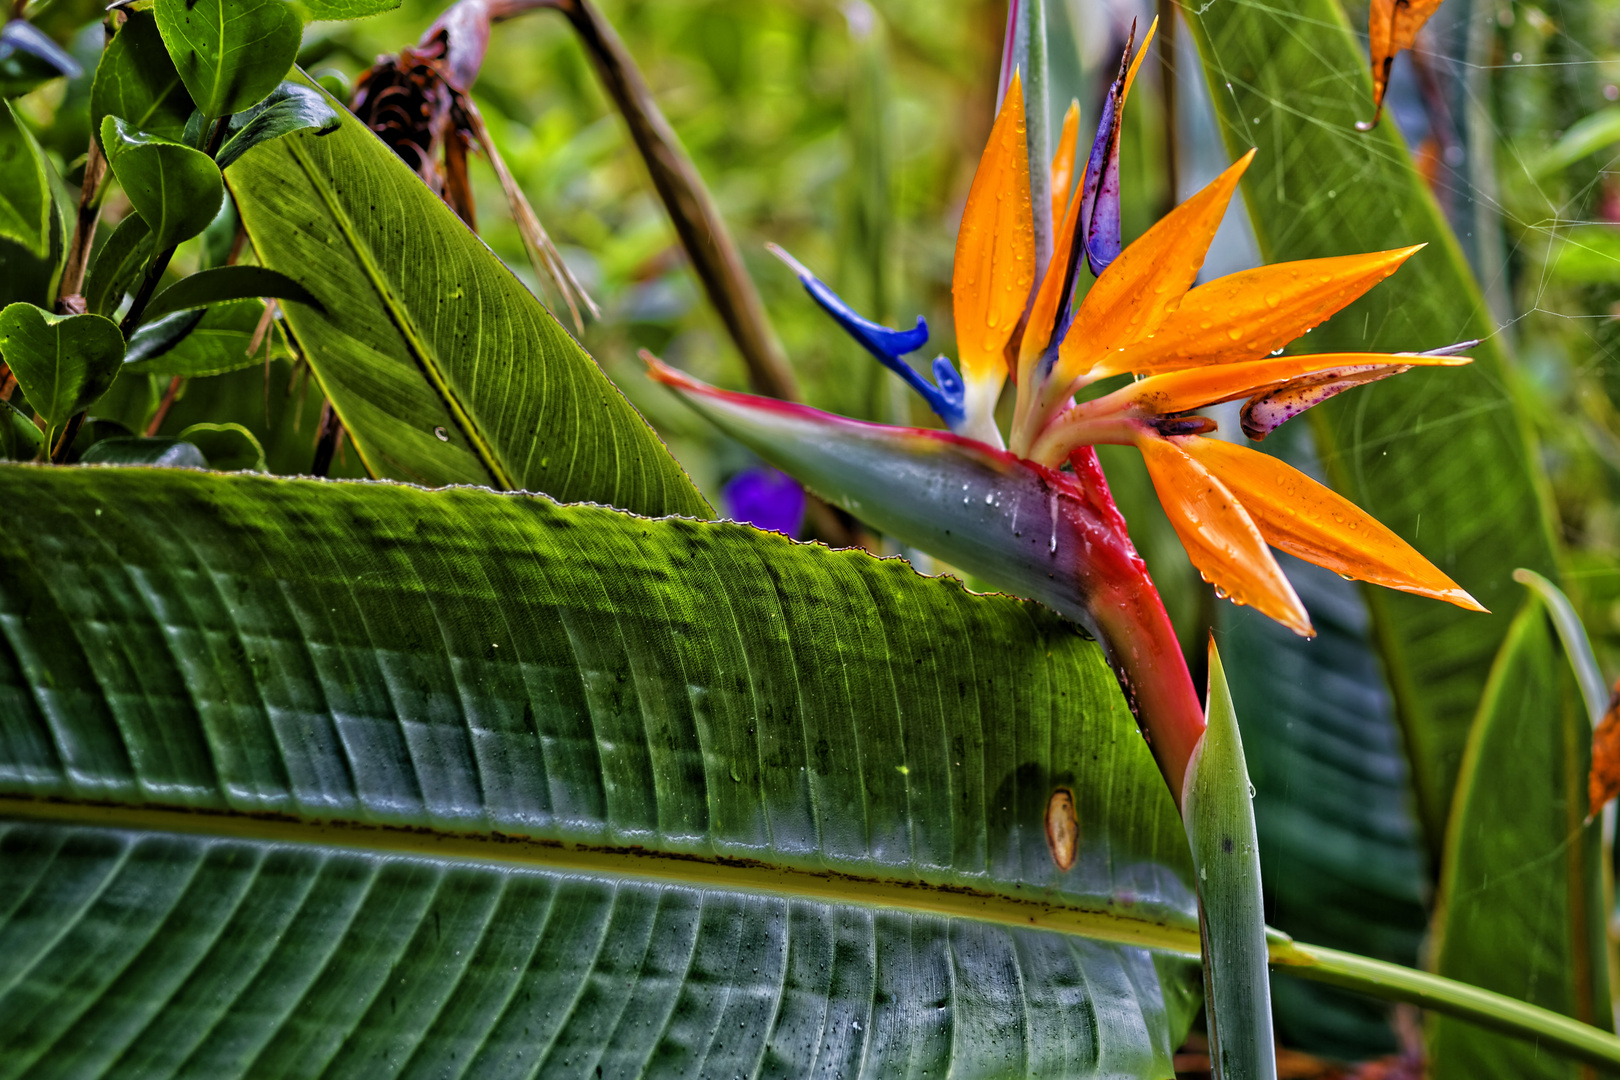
{"x": 1062, "y": 828}
{"x": 1604, "y": 782}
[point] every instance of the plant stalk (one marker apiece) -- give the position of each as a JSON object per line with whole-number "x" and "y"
{"x": 703, "y": 233}
{"x": 84, "y": 233}
{"x": 1392, "y": 982}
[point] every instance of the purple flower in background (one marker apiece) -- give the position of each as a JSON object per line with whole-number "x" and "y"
{"x": 765, "y": 498}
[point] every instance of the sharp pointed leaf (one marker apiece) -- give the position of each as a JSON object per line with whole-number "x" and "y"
{"x": 460, "y": 376}
{"x": 1218, "y": 808}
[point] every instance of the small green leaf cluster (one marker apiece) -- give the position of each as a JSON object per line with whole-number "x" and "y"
{"x": 183, "y": 90}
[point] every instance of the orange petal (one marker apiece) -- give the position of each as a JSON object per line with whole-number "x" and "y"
{"x": 1043, "y": 312}
{"x": 1392, "y": 25}
{"x": 1063, "y": 162}
{"x": 1219, "y": 535}
{"x": 1193, "y": 388}
{"x": 1303, "y": 518}
{"x": 995, "y": 247}
{"x": 1146, "y": 283}
{"x": 1253, "y": 314}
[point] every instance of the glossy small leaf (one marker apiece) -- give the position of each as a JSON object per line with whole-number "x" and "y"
{"x": 290, "y": 107}
{"x": 133, "y": 450}
{"x": 62, "y": 362}
{"x": 25, "y": 188}
{"x": 175, "y": 188}
{"x": 230, "y": 53}
{"x": 137, "y": 81}
{"x": 117, "y": 265}
{"x": 20, "y": 437}
{"x": 228, "y": 283}
{"x": 197, "y": 341}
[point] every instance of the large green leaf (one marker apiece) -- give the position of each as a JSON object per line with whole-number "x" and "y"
{"x": 363, "y": 776}
{"x": 1521, "y": 908}
{"x": 1439, "y": 455}
{"x": 441, "y": 365}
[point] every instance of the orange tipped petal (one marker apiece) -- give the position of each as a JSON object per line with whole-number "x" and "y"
{"x": 1193, "y": 388}
{"x": 995, "y": 247}
{"x": 1146, "y": 283}
{"x": 1253, "y": 314}
{"x": 1303, "y": 518}
{"x": 1130, "y": 76}
{"x": 1392, "y": 25}
{"x": 1063, "y": 162}
{"x": 1043, "y": 312}
{"x": 1220, "y": 538}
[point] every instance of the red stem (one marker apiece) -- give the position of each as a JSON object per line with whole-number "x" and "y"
{"x": 1137, "y": 636}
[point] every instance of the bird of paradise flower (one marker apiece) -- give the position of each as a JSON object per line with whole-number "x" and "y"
{"x": 1009, "y": 511}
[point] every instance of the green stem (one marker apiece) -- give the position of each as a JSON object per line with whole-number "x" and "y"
{"x": 1392, "y": 982}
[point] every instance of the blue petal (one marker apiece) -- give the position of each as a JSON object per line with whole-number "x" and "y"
{"x": 1099, "y": 203}
{"x": 886, "y": 344}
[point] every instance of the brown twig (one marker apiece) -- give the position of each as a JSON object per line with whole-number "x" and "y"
{"x": 164, "y": 406}
{"x": 696, "y": 218}
{"x": 1167, "y": 104}
{"x": 84, "y": 232}
{"x": 329, "y": 436}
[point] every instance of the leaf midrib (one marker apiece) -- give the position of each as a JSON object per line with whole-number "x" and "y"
{"x": 630, "y": 861}
{"x": 413, "y": 344}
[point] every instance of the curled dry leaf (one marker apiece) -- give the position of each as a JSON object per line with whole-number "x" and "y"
{"x": 1604, "y": 782}
{"x": 1392, "y": 25}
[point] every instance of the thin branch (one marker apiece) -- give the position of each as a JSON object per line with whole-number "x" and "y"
{"x": 697, "y": 220}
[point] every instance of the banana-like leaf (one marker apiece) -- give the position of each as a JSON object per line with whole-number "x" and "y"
{"x": 1521, "y": 901}
{"x": 305, "y": 775}
{"x": 1441, "y": 458}
{"x": 441, "y": 365}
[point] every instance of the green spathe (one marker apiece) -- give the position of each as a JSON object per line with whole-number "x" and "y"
{"x": 175, "y": 189}
{"x": 1218, "y": 809}
{"x": 62, "y": 362}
